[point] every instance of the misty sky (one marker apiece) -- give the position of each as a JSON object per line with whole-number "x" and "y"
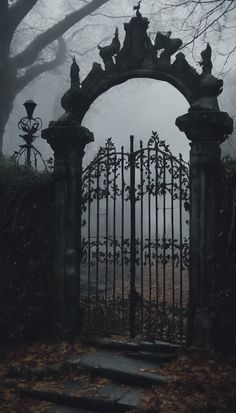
{"x": 136, "y": 107}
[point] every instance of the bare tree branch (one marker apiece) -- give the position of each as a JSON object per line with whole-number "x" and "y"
{"x": 30, "y": 54}
{"x": 87, "y": 51}
{"x": 210, "y": 24}
{"x": 46, "y": 66}
{"x": 76, "y": 32}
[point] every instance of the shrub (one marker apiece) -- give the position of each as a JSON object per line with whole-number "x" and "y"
{"x": 25, "y": 251}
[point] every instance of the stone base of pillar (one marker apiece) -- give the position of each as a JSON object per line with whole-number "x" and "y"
{"x": 202, "y": 330}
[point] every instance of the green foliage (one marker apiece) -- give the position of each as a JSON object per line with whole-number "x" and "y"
{"x": 25, "y": 251}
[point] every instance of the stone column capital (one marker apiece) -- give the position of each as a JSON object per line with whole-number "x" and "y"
{"x": 205, "y": 126}
{"x": 66, "y": 135}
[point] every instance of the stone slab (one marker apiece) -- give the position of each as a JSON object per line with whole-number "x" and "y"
{"x": 120, "y": 368}
{"x": 64, "y": 409}
{"x": 109, "y": 398}
{"x": 152, "y": 356}
{"x": 116, "y": 345}
{"x": 124, "y": 345}
{"x": 132, "y": 399}
{"x": 157, "y": 345}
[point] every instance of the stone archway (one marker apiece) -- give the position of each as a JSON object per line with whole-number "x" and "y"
{"x": 205, "y": 126}
{"x": 138, "y": 59}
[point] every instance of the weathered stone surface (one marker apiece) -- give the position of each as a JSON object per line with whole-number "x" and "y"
{"x": 208, "y": 126}
{"x": 120, "y": 368}
{"x": 74, "y": 74}
{"x": 109, "y": 398}
{"x": 107, "y": 53}
{"x": 116, "y": 345}
{"x": 206, "y": 129}
{"x": 122, "y": 345}
{"x": 65, "y": 409}
{"x": 151, "y": 356}
{"x": 68, "y": 140}
{"x": 158, "y": 346}
{"x": 127, "y": 390}
{"x": 138, "y": 57}
{"x": 131, "y": 399}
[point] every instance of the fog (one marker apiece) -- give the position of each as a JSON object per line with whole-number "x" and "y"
{"x": 136, "y": 107}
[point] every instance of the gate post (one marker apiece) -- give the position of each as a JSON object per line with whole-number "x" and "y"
{"x": 68, "y": 139}
{"x": 205, "y": 130}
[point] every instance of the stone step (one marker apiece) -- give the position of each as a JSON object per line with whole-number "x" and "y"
{"x": 120, "y": 368}
{"x": 112, "y": 398}
{"x": 116, "y": 345}
{"x": 159, "y": 346}
{"x": 124, "y": 345}
{"x": 56, "y": 408}
{"x": 156, "y": 357}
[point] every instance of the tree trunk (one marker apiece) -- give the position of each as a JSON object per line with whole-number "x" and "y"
{"x": 8, "y": 91}
{"x": 10, "y": 18}
{"x": 6, "y": 106}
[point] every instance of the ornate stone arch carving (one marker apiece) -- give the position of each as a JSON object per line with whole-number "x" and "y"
{"x": 140, "y": 57}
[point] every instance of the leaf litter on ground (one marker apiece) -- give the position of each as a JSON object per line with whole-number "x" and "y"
{"x": 198, "y": 383}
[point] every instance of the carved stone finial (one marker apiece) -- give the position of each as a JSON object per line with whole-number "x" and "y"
{"x": 206, "y": 60}
{"x": 137, "y": 49}
{"x": 138, "y": 58}
{"x": 137, "y": 8}
{"x": 107, "y": 52}
{"x": 210, "y": 87}
{"x": 74, "y": 74}
{"x": 170, "y": 46}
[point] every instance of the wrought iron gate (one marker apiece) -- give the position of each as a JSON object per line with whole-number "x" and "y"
{"x": 134, "y": 267}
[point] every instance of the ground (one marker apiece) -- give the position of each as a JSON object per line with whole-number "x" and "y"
{"x": 198, "y": 382}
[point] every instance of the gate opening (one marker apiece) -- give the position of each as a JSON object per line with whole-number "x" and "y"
{"x": 135, "y": 242}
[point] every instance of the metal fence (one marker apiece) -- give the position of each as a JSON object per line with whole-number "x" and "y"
{"x": 135, "y": 251}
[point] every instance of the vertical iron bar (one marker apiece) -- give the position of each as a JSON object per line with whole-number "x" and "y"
{"x": 157, "y": 230}
{"x": 114, "y": 232}
{"x": 172, "y": 243}
{"x": 28, "y": 155}
{"x": 107, "y": 223}
{"x": 122, "y": 236}
{"x": 132, "y": 239}
{"x": 149, "y": 242}
{"x": 181, "y": 244}
{"x": 35, "y": 161}
{"x": 78, "y": 243}
{"x": 141, "y": 235}
{"x": 164, "y": 235}
{"x": 97, "y": 235}
{"x": 89, "y": 251}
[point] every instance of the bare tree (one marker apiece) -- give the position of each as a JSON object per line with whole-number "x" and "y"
{"x": 202, "y": 20}
{"x": 18, "y": 69}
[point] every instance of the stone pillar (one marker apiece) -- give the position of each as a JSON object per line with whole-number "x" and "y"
{"x": 205, "y": 130}
{"x": 68, "y": 140}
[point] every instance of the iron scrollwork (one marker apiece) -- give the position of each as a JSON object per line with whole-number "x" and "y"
{"x": 161, "y": 204}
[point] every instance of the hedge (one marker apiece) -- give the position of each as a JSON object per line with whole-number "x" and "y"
{"x": 26, "y": 243}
